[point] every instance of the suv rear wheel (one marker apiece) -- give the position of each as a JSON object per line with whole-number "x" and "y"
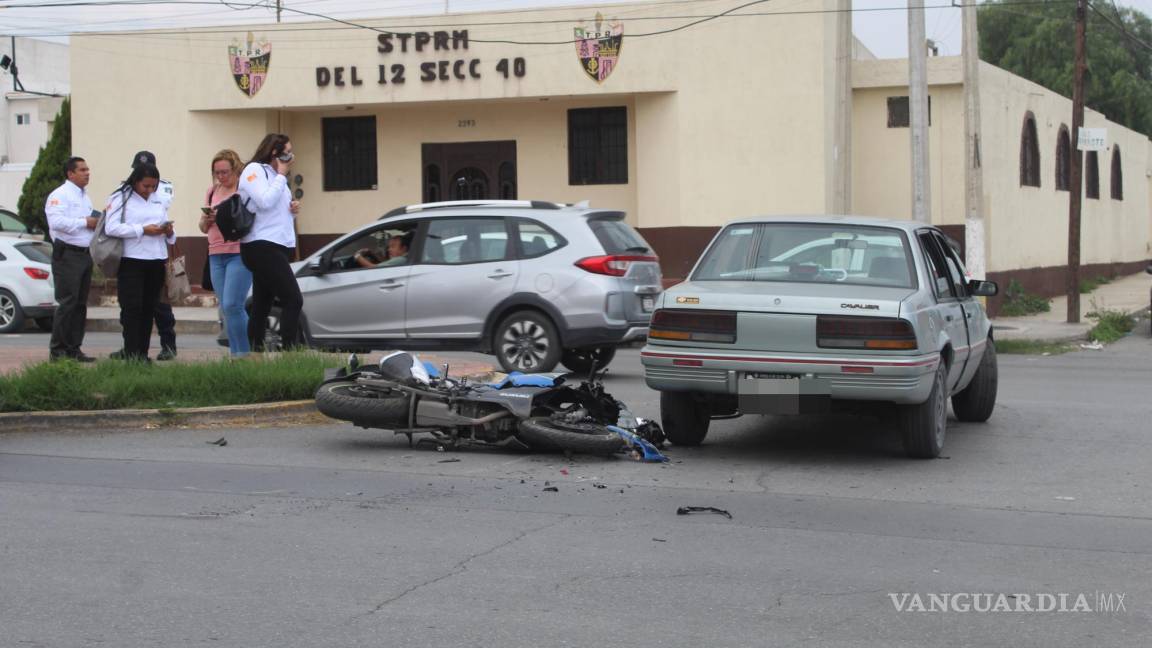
{"x": 526, "y": 341}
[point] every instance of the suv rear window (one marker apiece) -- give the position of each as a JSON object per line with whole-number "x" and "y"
{"x": 618, "y": 237}
{"x": 813, "y": 253}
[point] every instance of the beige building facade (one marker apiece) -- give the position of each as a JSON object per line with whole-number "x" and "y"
{"x": 683, "y": 129}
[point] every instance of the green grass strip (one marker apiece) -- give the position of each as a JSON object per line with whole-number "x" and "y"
{"x": 1033, "y": 347}
{"x": 112, "y": 384}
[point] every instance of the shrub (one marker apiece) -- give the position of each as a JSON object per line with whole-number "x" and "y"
{"x": 1018, "y": 303}
{"x": 1111, "y": 325}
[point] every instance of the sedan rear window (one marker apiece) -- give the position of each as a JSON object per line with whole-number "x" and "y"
{"x": 809, "y": 252}
{"x": 37, "y": 251}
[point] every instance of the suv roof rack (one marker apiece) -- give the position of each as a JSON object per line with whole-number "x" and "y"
{"x": 445, "y": 204}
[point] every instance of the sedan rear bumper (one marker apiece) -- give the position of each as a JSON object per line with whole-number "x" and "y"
{"x": 904, "y": 379}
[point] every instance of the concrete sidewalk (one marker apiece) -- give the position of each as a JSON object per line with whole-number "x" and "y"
{"x": 1128, "y": 294}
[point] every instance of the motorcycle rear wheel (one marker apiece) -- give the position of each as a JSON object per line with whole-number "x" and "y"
{"x": 347, "y": 401}
{"x": 542, "y": 433}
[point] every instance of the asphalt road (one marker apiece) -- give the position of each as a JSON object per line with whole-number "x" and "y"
{"x": 337, "y": 536}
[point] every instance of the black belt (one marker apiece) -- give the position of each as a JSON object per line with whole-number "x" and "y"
{"x": 74, "y": 248}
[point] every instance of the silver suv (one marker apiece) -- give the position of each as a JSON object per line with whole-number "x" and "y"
{"x": 534, "y": 283}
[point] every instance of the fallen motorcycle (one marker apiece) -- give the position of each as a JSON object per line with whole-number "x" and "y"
{"x": 528, "y": 411}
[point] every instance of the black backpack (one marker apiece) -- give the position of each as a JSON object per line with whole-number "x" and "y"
{"x": 234, "y": 218}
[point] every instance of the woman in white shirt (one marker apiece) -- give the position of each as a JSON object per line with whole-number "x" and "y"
{"x": 267, "y": 249}
{"x": 136, "y": 214}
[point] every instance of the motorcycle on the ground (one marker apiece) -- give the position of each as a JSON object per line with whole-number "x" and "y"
{"x": 526, "y": 411}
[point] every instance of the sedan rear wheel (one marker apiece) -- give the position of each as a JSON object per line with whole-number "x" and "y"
{"x": 685, "y": 417}
{"x": 923, "y": 426}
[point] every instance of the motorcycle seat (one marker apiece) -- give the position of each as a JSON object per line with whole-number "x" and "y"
{"x": 517, "y": 379}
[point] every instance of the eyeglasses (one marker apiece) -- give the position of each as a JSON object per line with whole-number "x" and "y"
{"x": 286, "y": 156}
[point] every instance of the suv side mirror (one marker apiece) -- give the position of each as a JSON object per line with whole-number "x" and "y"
{"x": 981, "y": 288}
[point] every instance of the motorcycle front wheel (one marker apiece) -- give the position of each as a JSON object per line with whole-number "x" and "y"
{"x": 543, "y": 433}
{"x": 348, "y": 401}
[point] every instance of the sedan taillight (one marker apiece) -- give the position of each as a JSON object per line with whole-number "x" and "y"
{"x": 885, "y": 333}
{"x": 693, "y": 325}
{"x": 615, "y": 265}
{"x": 36, "y": 273}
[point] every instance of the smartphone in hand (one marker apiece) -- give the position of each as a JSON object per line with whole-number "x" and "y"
{"x": 206, "y": 210}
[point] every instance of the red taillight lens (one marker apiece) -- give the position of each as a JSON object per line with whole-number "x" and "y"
{"x": 36, "y": 273}
{"x": 693, "y": 325}
{"x": 890, "y": 333}
{"x": 614, "y": 265}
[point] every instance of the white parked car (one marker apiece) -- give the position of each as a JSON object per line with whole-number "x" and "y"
{"x": 26, "y": 287}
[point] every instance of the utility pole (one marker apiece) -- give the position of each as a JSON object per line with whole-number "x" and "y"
{"x": 1073, "y": 286}
{"x": 840, "y": 182}
{"x": 918, "y": 111}
{"x": 277, "y": 10}
{"x": 974, "y": 246}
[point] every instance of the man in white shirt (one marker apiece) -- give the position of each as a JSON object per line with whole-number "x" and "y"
{"x": 71, "y": 222}
{"x": 165, "y": 319}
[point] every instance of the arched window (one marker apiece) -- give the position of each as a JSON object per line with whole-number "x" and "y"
{"x": 1063, "y": 159}
{"x": 1091, "y": 175}
{"x": 1117, "y": 175}
{"x": 1029, "y": 153}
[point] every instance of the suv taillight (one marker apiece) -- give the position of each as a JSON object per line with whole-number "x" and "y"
{"x": 838, "y": 332}
{"x": 615, "y": 265}
{"x": 693, "y": 325}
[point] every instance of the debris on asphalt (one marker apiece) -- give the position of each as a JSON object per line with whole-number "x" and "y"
{"x": 551, "y": 489}
{"x": 453, "y": 460}
{"x": 659, "y": 540}
{"x": 597, "y": 485}
{"x": 685, "y": 510}
{"x": 563, "y": 471}
{"x": 218, "y": 442}
{"x": 1065, "y": 498}
{"x": 639, "y": 448}
{"x": 1092, "y": 346}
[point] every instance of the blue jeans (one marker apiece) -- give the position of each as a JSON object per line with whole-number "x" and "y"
{"x": 232, "y": 281}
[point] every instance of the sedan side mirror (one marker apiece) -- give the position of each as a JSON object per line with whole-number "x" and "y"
{"x": 981, "y": 288}
{"x": 1148, "y": 269}
{"x": 318, "y": 266}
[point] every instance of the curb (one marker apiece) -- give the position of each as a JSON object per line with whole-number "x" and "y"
{"x": 1060, "y": 337}
{"x": 251, "y": 415}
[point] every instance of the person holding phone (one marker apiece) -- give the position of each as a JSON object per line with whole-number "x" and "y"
{"x": 137, "y": 215}
{"x": 267, "y": 249}
{"x": 230, "y": 278}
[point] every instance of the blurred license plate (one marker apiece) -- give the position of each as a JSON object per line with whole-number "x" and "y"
{"x": 647, "y": 303}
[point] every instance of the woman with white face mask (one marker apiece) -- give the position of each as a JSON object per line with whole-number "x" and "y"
{"x": 267, "y": 249}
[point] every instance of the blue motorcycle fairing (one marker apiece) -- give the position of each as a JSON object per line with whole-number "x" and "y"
{"x": 517, "y": 379}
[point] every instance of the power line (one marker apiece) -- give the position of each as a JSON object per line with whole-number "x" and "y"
{"x": 1119, "y": 26}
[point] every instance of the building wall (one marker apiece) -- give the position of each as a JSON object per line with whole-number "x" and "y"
{"x": 43, "y": 68}
{"x": 705, "y": 106}
{"x": 1028, "y": 226}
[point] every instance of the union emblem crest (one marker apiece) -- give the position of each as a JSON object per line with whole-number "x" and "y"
{"x": 598, "y": 47}
{"x": 249, "y": 63}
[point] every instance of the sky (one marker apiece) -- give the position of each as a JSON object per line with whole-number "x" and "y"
{"x": 882, "y": 25}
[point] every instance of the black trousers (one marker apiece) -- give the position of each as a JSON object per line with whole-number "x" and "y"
{"x": 138, "y": 286}
{"x": 72, "y": 274}
{"x": 165, "y": 324}
{"x": 272, "y": 281}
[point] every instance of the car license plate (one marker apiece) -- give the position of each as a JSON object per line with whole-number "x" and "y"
{"x": 647, "y": 303}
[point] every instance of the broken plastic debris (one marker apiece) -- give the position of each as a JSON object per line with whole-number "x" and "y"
{"x": 219, "y": 442}
{"x": 1092, "y": 346}
{"x": 1065, "y": 498}
{"x": 599, "y": 485}
{"x": 453, "y": 460}
{"x": 551, "y": 489}
{"x": 685, "y": 510}
{"x": 640, "y": 449}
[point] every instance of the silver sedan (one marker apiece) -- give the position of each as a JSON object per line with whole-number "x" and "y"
{"x": 809, "y": 314}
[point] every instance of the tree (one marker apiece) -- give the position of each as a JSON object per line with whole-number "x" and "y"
{"x": 48, "y": 172}
{"x": 1036, "y": 41}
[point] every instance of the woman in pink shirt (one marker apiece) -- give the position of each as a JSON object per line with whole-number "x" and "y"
{"x": 230, "y": 278}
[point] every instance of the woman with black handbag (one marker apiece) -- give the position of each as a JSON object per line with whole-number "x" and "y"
{"x": 229, "y": 277}
{"x": 267, "y": 249}
{"x": 141, "y": 220}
